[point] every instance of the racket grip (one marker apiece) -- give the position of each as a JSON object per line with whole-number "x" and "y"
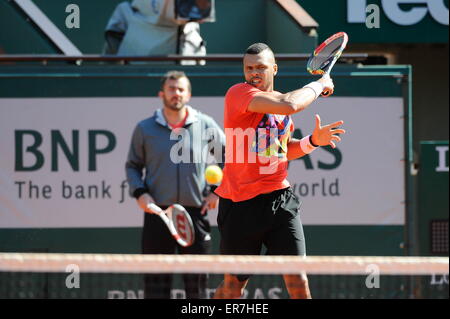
{"x": 326, "y": 93}
{"x": 154, "y": 208}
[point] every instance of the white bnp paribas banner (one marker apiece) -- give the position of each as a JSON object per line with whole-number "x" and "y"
{"x": 62, "y": 162}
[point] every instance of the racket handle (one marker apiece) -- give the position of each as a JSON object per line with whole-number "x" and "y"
{"x": 154, "y": 208}
{"x": 326, "y": 75}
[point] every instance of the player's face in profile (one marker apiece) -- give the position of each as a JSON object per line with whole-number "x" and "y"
{"x": 260, "y": 69}
{"x": 176, "y": 93}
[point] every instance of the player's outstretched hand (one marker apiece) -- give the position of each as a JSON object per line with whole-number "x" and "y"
{"x": 327, "y": 134}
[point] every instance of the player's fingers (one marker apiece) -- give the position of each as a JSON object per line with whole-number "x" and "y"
{"x": 338, "y": 131}
{"x": 204, "y": 208}
{"x": 334, "y": 124}
{"x": 318, "y": 121}
{"x": 335, "y": 138}
{"x": 153, "y": 208}
{"x": 332, "y": 145}
{"x": 326, "y": 93}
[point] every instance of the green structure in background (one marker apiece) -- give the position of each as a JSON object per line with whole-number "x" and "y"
{"x": 433, "y": 199}
{"x": 397, "y": 24}
{"x": 432, "y": 214}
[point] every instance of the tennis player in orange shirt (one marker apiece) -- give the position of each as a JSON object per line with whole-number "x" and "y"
{"x": 257, "y": 205}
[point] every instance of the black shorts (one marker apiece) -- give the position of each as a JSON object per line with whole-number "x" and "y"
{"x": 270, "y": 219}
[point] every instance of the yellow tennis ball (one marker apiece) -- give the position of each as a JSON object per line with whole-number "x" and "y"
{"x": 213, "y": 174}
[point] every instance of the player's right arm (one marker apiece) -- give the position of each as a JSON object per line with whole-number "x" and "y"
{"x": 291, "y": 102}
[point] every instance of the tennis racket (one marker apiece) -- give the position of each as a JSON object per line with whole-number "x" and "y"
{"x": 325, "y": 55}
{"x": 178, "y": 221}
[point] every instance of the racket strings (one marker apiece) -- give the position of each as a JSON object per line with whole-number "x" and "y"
{"x": 183, "y": 224}
{"x": 320, "y": 60}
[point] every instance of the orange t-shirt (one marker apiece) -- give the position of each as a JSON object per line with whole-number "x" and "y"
{"x": 256, "y": 147}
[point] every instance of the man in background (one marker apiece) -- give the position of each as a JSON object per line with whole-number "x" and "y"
{"x": 156, "y": 174}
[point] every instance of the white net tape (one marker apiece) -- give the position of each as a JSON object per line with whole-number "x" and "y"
{"x": 217, "y": 264}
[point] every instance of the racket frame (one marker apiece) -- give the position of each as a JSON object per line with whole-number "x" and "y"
{"x": 326, "y": 72}
{"x": 336, "y": 55}
{"x": 164, "y": 215}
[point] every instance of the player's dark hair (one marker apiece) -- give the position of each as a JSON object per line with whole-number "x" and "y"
{"x": 174, "y": 75}
{"x": 257, "y": 48}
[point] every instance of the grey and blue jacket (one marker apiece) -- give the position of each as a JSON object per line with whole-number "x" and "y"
{"x": 170, "y": 165}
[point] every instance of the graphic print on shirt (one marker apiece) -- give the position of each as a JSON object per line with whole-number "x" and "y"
{"x": 272, "y": 136}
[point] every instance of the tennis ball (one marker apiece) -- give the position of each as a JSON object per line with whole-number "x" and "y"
{"x": 213, "y": 174}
